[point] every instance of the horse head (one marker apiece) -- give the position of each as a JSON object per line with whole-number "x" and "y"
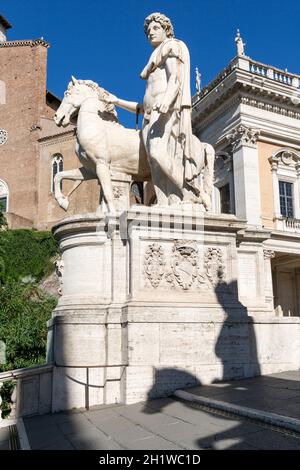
{"x": 76, "y": 93}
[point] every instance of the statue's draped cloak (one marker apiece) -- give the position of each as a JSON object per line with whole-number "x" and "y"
{"x": 182, "y": 104}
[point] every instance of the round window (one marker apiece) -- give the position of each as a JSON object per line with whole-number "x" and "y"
{"x": 3, "y": 136}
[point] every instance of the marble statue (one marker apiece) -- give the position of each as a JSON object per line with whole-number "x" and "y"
{"x": 102, "y": 143}
{"x": 166, "y": 151}
{"x": 198, "y": 81}
{"x": 240, "y": 45}
{"x": 176, "y": 157}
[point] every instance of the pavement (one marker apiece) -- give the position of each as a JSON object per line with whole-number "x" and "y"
{"x": 260, "y": 413}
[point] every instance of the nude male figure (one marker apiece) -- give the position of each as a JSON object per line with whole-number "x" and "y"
{"x": 167, "y": 132}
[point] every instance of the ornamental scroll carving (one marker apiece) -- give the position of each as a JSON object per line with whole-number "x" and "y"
{"x": 154, "y": 264}
{"x": 214, "y": 265}
{"x": 268, "y": 254}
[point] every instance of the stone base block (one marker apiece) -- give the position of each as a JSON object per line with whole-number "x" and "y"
{"x": 155, "y": 300}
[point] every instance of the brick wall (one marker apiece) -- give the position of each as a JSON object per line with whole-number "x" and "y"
{"x": 23, "y": 69}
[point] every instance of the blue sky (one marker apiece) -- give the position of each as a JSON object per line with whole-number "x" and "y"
{"x": 103, "y": 40}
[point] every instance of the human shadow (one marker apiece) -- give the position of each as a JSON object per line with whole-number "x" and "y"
{"x": 236, "y": 358}
{"x": 236, "y": 345}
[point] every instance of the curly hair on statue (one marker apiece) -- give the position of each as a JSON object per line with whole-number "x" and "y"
{"x": 163, "y": 20}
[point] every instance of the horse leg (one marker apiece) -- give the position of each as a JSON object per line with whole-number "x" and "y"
{"x": 103, "y": 173}
{"x": 78, "y": 174}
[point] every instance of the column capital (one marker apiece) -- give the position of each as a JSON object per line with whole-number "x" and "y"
{"x": 268, "y": 254}
{"x": 243, "y": 136}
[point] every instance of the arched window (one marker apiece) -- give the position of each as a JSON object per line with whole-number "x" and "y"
{"x": 57, "y": 166}
{"x": 4, "y": 195}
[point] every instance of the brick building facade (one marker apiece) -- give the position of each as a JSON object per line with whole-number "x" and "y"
{"x": 32, "y": 148}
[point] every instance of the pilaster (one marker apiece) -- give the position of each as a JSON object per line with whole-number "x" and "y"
{"x": 246, "y": 173}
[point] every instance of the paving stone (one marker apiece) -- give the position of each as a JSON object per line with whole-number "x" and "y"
{"x": 155, "y": 443}
{"x": 271, "y": 440}
{"x": 58, "y": 444}
{"x": 123, "y": 430}
{"x": 93, "y": 440}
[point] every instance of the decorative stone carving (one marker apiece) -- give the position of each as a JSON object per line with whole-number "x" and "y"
{"x": 243, "y": 136}
{"x": 59, "y": 269}
{"x": 3, "y": 136}
{"x": 154, "y": 264}
{"x": 118, "y": 192}
{"x": 287, "y": 157}
{"x": 184, "y": 263}
{"x": 268, "y": 254}
{"x": 214, "y": 265}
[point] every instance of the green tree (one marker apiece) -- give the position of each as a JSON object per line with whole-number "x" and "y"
{"x": 26, "y": 257}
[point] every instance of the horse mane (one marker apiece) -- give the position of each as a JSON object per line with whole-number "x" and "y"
{"x": 109, "y": 113}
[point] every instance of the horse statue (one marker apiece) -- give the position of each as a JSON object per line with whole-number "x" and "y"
{"x": 104, "y": 145}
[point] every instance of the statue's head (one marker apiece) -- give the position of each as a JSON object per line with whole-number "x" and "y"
{"x": 163, "y": 20}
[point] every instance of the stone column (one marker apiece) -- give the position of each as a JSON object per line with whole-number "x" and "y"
{"x": 269, "y": 297}
{"x": 246, "y": 174}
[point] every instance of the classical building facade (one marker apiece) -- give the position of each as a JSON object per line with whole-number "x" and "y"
{"x": 251, "y": 115}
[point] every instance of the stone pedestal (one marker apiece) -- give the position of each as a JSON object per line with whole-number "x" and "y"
{"x": 151, "y": 303}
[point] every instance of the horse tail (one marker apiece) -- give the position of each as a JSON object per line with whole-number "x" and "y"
{"x": 208, "y": 172}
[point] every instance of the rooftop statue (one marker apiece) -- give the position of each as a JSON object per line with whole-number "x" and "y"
{"x": 240, "y": 45}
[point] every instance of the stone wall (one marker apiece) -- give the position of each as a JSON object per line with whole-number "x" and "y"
{"x": 23, "y": 69}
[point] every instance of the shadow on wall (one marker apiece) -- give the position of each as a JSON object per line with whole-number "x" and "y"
{"x": 236, "y": 343}
{"x": 235, "y": 348}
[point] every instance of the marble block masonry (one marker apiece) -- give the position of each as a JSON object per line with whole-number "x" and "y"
{"x": 158, "y": 299}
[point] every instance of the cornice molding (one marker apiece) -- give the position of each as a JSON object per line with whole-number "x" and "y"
{"x": 199, "y": 123}
{"x": 57, "y": 138}
{"x": 26, "y": 42}
{"x": 251, "y": 90}
{"x": 283, "y": 110}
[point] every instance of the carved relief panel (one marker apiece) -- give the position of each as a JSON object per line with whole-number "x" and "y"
{"x": 183, "y": 266}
